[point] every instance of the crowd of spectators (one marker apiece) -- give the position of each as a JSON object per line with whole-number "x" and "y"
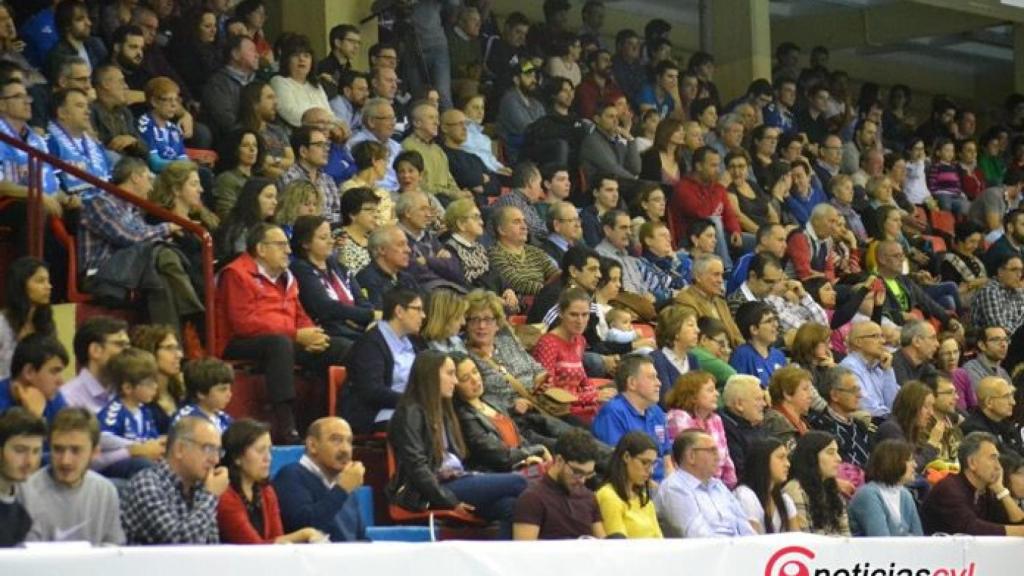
{"x": 580, "y": 291}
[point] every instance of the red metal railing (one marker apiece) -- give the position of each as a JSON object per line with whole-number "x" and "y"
{"x": 36, "y": 159}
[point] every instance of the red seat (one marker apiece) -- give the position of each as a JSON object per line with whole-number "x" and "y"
{"x": 336, "y": 376}
{"x": 517, "y": 320}
{"x": 402, "y": 516}
{"x": 938, "y": 243}
{"x": 643, "y": 330}
{"x": 60, "y": 232}
{"x": 943, "y": 221}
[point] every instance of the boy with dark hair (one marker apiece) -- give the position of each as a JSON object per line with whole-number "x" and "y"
{"x": 21, "y": 448}
{"x": 208, "y": 384}
{"x": 36, "y": 376}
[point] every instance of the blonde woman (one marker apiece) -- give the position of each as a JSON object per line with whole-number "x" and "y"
{"x": 300, "y": 198}
{"x": 446, "y": 315}
{"x": 178, "y": 189}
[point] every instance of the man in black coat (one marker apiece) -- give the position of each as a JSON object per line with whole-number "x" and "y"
{"x": 380, "y": 362}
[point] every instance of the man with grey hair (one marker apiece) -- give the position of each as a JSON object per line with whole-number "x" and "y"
{"x": 918, "y": 345}
{"x": 706, "y": 296}
{"x": 175, "y": 501}
{"x": 742, "y": 415}
{"x": 437, "y": 175}
{"x": 390, "y": 258}
{"x": 431, "y": 264}
{"x": 872, "y": 364}
{"x": 975, "y": 501}
{"x": 378, "y": 119}
{"x": 841, "y": 389}
{"x": 729, "y": 137}
{"x": 564, "y": 230}
{"x": 810, "y": 250}
{"x": 524, "y": 268}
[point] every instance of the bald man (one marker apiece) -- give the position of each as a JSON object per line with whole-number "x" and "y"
{"x": 317, "y": 490}
{"x": 994, "y": 414}
{"x": 437, "y": 176}
{"x": 872, "y": 364}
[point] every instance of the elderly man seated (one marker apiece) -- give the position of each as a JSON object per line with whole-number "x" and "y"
{"x": 389, "y": 249}
{"x": 317, "y": 490}
{"x": 872, "y": 364}
{"x": 524, "y": 268}
{"x": 691, "y": 502}
{"x": 706, "y": 295}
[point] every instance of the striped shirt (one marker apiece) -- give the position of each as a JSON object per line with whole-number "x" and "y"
{"x": 525, "y": 272}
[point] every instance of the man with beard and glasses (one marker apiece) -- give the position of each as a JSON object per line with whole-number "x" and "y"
{"x": 317, "y": 490}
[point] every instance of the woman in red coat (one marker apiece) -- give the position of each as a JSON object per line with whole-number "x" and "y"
{"x": 248, "y": 512}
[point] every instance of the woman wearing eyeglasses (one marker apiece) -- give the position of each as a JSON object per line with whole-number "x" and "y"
{"x": 627, "y": 507}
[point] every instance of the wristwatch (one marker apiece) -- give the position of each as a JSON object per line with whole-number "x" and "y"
{"x": 1005, "y": 492}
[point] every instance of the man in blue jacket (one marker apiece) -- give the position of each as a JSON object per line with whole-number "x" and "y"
{"x": 317, "y": 490}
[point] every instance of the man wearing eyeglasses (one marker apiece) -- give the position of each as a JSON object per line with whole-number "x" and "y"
{"x": 872, "y": 364}
{"x": 559, "y": 506}
{"x": 175, "y": 502}
{"x": 260, "y": 319}
{"x": 15, "y": 112}
{"x": 994, "y": 414}
{"x": 1001, "y": 303}
{"x": 993, "y": 346}
{"x": 692, "y": 502}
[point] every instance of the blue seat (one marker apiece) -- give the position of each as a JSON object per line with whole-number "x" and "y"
{"x": 281, "y": 456}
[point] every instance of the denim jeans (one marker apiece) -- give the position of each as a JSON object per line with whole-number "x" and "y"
{"x": 946, "y": 294}
{"x": 493, "y": 495}
{"x": 439, "y": 73}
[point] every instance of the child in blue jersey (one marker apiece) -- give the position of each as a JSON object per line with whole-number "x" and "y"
{"x": 208, "y": 384}
{"x": 132, "y": 374}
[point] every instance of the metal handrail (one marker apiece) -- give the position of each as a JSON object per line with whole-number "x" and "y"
{"x": 35, "y": 217}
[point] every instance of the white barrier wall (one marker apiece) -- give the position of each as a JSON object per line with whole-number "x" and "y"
{"x": 780, "y": 555}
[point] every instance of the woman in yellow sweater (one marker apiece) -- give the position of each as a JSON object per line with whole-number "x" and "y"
{"x": 626, "y": 507}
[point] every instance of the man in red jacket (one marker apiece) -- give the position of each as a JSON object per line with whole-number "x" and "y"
{"x": 699, "y": 195}
{"x": 260, "y": 319}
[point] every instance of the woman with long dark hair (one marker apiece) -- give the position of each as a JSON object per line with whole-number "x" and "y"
{"x": 430, "y": 450}
{"x": 492, "y": 437}
{"x": 28, "y": 307}
{"x": 257, "y": 202}
{"x": 627, "y": 509}
{"x": 248, "y": 512}
{"x": 884, "y": 506}
{"x": 911, "y": 421}
{"x": 814, "y": 466}
{"x": 257, "y": 111}
{"x": 241, "y": 157}
{"x": 760, "y": 491}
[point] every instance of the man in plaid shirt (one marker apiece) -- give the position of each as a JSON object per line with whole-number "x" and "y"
{"x": 1001, "y": 303}
{"x": 175, "y": 502}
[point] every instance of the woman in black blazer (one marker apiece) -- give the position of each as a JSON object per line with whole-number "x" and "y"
{"x": 430, "y": 450}
{"x": 492, "y": 438}
{"x": 328, "y": 292}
